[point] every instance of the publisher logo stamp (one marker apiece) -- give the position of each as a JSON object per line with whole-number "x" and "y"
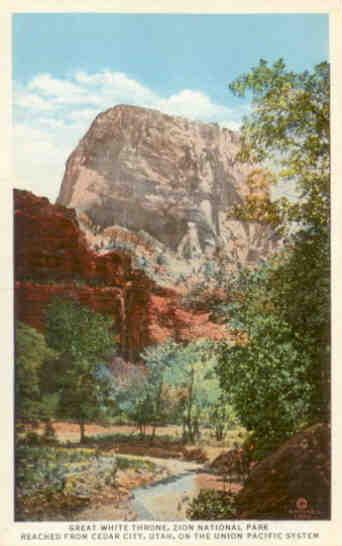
{"x": 302, "y": 504}
{"x": 303, "y": 510}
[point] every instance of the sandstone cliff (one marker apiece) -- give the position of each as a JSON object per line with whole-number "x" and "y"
{"x": 53, "y": 259}
{"x": 166, "y": 179}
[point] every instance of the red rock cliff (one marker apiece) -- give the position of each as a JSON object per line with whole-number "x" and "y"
{"x": 52, "y": 259}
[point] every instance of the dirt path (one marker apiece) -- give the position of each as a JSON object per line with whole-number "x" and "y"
{"x": 169, "y": 500}
{"x": 123, "y": 508}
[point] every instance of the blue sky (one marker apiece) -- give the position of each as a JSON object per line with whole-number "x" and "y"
{"x": 68, "y": 67}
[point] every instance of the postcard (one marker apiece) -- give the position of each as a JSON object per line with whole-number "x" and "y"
{"x": 170, "y": 236}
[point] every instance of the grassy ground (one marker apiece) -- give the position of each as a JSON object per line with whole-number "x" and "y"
{"x": 127, "y": 440}
{"x": 55, "y": 482}
{"x": 59, "y": 480}
{"x": 70, "y": 432}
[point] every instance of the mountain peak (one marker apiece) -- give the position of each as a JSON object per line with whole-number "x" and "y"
{"x": 165, "y": 178}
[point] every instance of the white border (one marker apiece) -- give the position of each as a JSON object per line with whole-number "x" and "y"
{"x": 330, "y": 532}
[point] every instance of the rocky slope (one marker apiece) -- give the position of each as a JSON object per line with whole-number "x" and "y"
{"x": 293, "y": 482}
{"x": 53, "y": 259}
{"x": 168, "y": 181}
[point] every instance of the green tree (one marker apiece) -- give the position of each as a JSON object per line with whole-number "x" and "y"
{"x": 31, "y": 352}
{"x": 85, "y": 343}
{"x": 282, "y": 308}
{"x": 222, "y": 415}
{"x": 134, "y": 401}
{"x": 179, "y": 385}
{"x": 297, "y": 284}
{"x": 159, "y": 360}
{"x": 194, "y": 374}
{"x": 202, "y": 384}
{"x": 289, "y": 128}
{"x": 267, "y": 378}
{"x": 144, "y": 396}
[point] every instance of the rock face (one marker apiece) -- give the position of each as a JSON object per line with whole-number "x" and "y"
{"x": 293, "y": 482}
{"x": 166, "y": 177}
{"x": 53, "y": 259}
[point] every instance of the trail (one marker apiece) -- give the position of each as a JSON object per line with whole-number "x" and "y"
{"x": 165, "y": 500}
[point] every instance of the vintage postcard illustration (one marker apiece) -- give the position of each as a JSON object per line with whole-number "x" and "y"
{"x": 171, "y": 273}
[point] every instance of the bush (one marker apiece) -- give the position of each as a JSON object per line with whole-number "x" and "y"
{"x": 113, "y": 438}
{"x": 48, "y": 468}
{"x": 195, "y": 454}
{"x": 135, "y": 464}
{"x": 32, "y": 438}
{"x": 31, "y": 353}
{"x": 268, "y": 380}
{"x": 211, "y": 504}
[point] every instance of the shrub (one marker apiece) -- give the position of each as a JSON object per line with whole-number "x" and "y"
{"x": 211, "y": 504}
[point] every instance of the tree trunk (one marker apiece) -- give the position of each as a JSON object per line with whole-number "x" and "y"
{"x": 49, "y": 432}
{"x": 191, "y": 436}
{"x": 184, "y": 430}
{"x": 219, "y": 430}
{"x": 189, "y": 411}
{"x": 197, "y": 433}
{"x": 82, "y": 432}
{"x": 153, "y": 434}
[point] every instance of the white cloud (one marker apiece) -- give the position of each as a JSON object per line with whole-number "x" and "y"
{"x": 52, "y": 123}
{"x": 59, "y": 91}
{"x": 114, "y": 87}
{"x": 39, "y": 161}
{"x": 27, "y": 100}
{"x": 193, "y": 104}
{"x": 230, "y": 124}
{"x": 52, "y": 114}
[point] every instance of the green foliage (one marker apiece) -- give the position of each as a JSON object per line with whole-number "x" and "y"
{"x": 41, "y": 467}
{"x": 136, "y": 464}
{"x": 289, "y": 125}
{"x": 134, "y": 402}
{"x": 212, "y": 505}
{"x": 85, "y": 343}
{"x": 179, "y": 385}
{"x": 130, "y": 438}
{"x": 267, "y": 379}
{"x": 293, "y": 287}
{"x": 278, "y": 373}
{"x": 159, "y": 361}
{"x": 200, "y": 398}
{"x": 222, "y": 416}
{"x": 53, "y": 480}
{"x": 299, "y": 286}
{"x": 31, "y": 352}
{"x": 57, "y": 479}
{"x": 78, "y": 331}
{"x": 144, "y": 398}
{"x": 195, "y": 374}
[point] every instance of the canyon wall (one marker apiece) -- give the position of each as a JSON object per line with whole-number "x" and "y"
{"x": 53, "y": 259}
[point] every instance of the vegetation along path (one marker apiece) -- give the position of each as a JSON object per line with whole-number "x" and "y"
{"x": 166, "y": 499}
